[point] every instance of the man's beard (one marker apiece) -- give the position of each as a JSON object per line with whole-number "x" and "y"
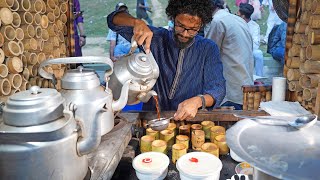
{"x": 180, "y": 44}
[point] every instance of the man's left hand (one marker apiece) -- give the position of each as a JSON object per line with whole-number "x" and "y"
{"x": 188, "y": 109}
{"x": 82, "y": 41}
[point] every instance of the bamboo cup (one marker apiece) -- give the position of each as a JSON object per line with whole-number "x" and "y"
{"x": 50, "y": 5}
{"x": 172, "y": 127}
{"x": 309, "y": 94}
{"x": 1, "y": 56}
{"x": 44, "y": 21}
{"x": 16, "y": 20}
{"x": 29, "y": 31}
{"x": 315, "y": 9}
{"x": 56, "y": 53}
{"x": 26, "y": 73}
{"x": 36, "y": 6}
{"x": 15, "y": 65}
{"x": 25, "y": 5}
{"x": 19, "y": 34}
{"x": 45, "y": 83}
{"x": 15, "y": 80}
{"x": 294, "y": 86}
{"x": 30, "y": 44}
{"x": 3, "y": 71}
{"x": 61, "y": 36}
{"x": 24, "y": 60}
{"x": 210, "y": 148}
{"x": 26, "y": 17}
{"x": 215, "y": 131}
{"x": 184, "y": 130}
{"x": 39, "y": 81}
{"x": 182, "y": 139}
{"x": 15, "y": 6}
{"x": 8, "y": 32}
{"x": 196, "y": 127}
{"x": 145, "y": 143}
{"x": 59, "y": 24}
{"x": 44, "y": 35}
{"x": 44, "y": 7}
{"x": 167, "y": 136}
{"x": 33, "y": 70}
{"x": 63, "y": 7}
{"x": 159, "y": 146}
{"x": 6, "y": 3}
{"x": 53, "y": 30}
{"x": 1, "y": 39}
{"x": 220, "y": 141}
{"x": 309, "y": 80}
{"x": 11, "y": 49}
{"x": 6, "y": 16}
{"x": 56, "y": 11}
{"x": 40, "y": 45}
{"x": 5, "y": 87}
{"x": 31, "y": 57}
{"x": 206, "y": 125}
{"x": 36, "y": 19}
{"x": 21, "y": 46}
{"x": 197, "y": 139}
{"x": 23, "y": 86}
{"x": 50, "y": 70}
{"x": 48, "y": 47}
{"x": 51, "y": 17}
{"x": 38, "y": 30}
{"x": 178, "y": 150}
{"x": 63, "y": 18}
{"x": 33, "y": 81}
{"x": 152, "y": 133}
{"x": 41, "y": 57}
{"x": 65, "y": 29}
{"x": 293, "y": 74}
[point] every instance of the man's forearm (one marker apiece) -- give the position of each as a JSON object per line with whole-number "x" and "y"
{"x": 124, "y": 19}
{"x": 209, "y": 101}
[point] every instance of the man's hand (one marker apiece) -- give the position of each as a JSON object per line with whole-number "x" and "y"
{"x": 142, "y": 34}
{"x": 82, "y": 41}
{"x": 188, "y": 109}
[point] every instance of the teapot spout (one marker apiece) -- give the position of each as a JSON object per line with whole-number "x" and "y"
{"x": 144, "y": 97}
{"x": 123, "y": 99}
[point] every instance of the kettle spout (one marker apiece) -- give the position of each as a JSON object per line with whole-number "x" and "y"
{"x": 123, "y": 99}
{"x": 144, "y": 97}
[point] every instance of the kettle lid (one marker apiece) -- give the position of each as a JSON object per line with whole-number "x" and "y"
{"x": 80, "y": 78}
{"x": 141, "y": 65}
{"x": 33, "y": 107}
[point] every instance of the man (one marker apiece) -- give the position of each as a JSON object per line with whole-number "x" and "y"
{"x": 273, "y": 19}
{"x": 78, "y": 26}
{"x": 191, "y": 73}
{"x": 231, "y": 33}
{"x": 142, "y": 9}
{"x": 277, "y": 45}
{"x": 245, "y": 12}
{"x": 119, "y": 46}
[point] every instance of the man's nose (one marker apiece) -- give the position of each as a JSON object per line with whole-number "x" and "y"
{"x": 185, "y": 33}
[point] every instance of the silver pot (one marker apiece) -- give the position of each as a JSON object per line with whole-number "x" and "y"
{"x": 94, "y": 104}
{"x": 39, "y": 138}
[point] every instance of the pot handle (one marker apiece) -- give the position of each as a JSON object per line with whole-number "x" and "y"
{"x": 74, "y": 60}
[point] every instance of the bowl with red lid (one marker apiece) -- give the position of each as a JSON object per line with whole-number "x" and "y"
{"x": 151, "y": 165}
{"x": 199, "y": 165}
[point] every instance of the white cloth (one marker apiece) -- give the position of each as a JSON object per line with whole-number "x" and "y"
{"x": 283, "y": 108}
{"x": 254, "y": 29}
{"x": 231, "y": 33}
{"x": 273, "y": 18}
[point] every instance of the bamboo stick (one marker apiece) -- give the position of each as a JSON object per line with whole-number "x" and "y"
{"x": 220, "y": 141}
{"x": 26, "y": 17}
{"x": 309, "y": 80}
{"x": 182, "y": 139}
{"x": 206, "y": 125}
{"x": 145, "y": 143}
{"x": 159, "y": 146}
{"x": 25, "y": 5}
{"x": 15, "y": 6}
{"x": 1, "y": 56}
{"x": 294, "y": 86}
{"x": 8, "y": 32}
{"x": 210, "y": 148}
{"x": 28, "y": 30}
{"x": 1, "y": 39}
{"x": 309, "y": 94}
{"x": 6, "y": 16}
{"x": 197, "y": 139}
{"x": 250, "y": 104}
{"x": 3, "y": 71}
{"x": 256, "y": 100}
{"x": 178, "y": 150}
{"x": 215, "y": 131}
{"x": 19, "y": 34}
{"x": 5, "y": 87}
{"x": 11, "y": 49}
{"x": 293, "y": 62}
{"x": 15, "y": 80}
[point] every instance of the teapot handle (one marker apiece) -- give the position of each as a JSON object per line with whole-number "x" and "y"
{"x": 74, "y": 60}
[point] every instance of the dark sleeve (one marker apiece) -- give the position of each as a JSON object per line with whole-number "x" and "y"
{"x": 214, "y": 82}
{"x": 79, "y": 19}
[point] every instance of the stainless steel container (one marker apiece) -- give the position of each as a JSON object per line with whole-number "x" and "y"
{"x": 39, "y": 138}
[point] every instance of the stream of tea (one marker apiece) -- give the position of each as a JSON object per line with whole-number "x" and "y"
{"x": 157, "y": 106}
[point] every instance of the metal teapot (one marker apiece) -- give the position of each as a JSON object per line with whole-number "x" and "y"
{"x": 82, "y": 87}
{"x": 142, "y": 69}
{"x": 39, "y": 138}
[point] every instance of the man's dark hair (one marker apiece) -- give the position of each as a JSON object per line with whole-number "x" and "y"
{"x": 246, "y": 9}
{"x": 217, "y": 4}
{"x": 201, "y": 8}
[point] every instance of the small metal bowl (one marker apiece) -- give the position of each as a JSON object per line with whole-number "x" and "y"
{"x": 159, "y": 124}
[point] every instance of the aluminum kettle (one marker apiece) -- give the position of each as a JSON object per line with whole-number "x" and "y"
{"x": 142, "y": 69}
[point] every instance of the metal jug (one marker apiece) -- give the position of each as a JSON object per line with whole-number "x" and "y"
{"x": 142, "y": 69}
{"x": 82, "y": 87}
{"x": 39, "y": 138}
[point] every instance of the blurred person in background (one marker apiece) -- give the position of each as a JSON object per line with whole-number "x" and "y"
{"x": 79, "y": 35}
{"x": 245, "y": 12}
{"x": 277, "y": 42}
{"x": 273, "y": 19}
{"x": 142, "y": 8}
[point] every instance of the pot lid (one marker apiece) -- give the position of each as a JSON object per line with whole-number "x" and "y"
{"x": 140, "y": 65}
{"x": 150, "y": 162}
{"x": 80, "y": 78}
{"x": 199, "y": 164}
{"x": 280, "y": 151}
{"x": 33, "y": 107}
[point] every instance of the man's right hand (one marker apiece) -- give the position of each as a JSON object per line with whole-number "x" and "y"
{"x": 142, "y": 34}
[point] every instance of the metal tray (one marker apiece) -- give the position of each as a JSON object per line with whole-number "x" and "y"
{"x": 282, "y": 152}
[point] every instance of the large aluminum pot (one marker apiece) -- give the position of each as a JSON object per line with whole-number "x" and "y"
{"x": 39, "y": 138}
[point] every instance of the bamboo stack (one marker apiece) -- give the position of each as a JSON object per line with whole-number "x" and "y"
{"x": 303, "y": 61}
{"x": 31, "y": 31}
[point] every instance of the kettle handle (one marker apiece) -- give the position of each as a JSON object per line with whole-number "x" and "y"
{"x": 74, "y": 60}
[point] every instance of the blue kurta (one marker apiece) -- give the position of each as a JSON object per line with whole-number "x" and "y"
{"x": 184, "y": 73}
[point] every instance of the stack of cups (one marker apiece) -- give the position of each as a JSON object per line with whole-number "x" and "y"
{"x": 278, "y": 88}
